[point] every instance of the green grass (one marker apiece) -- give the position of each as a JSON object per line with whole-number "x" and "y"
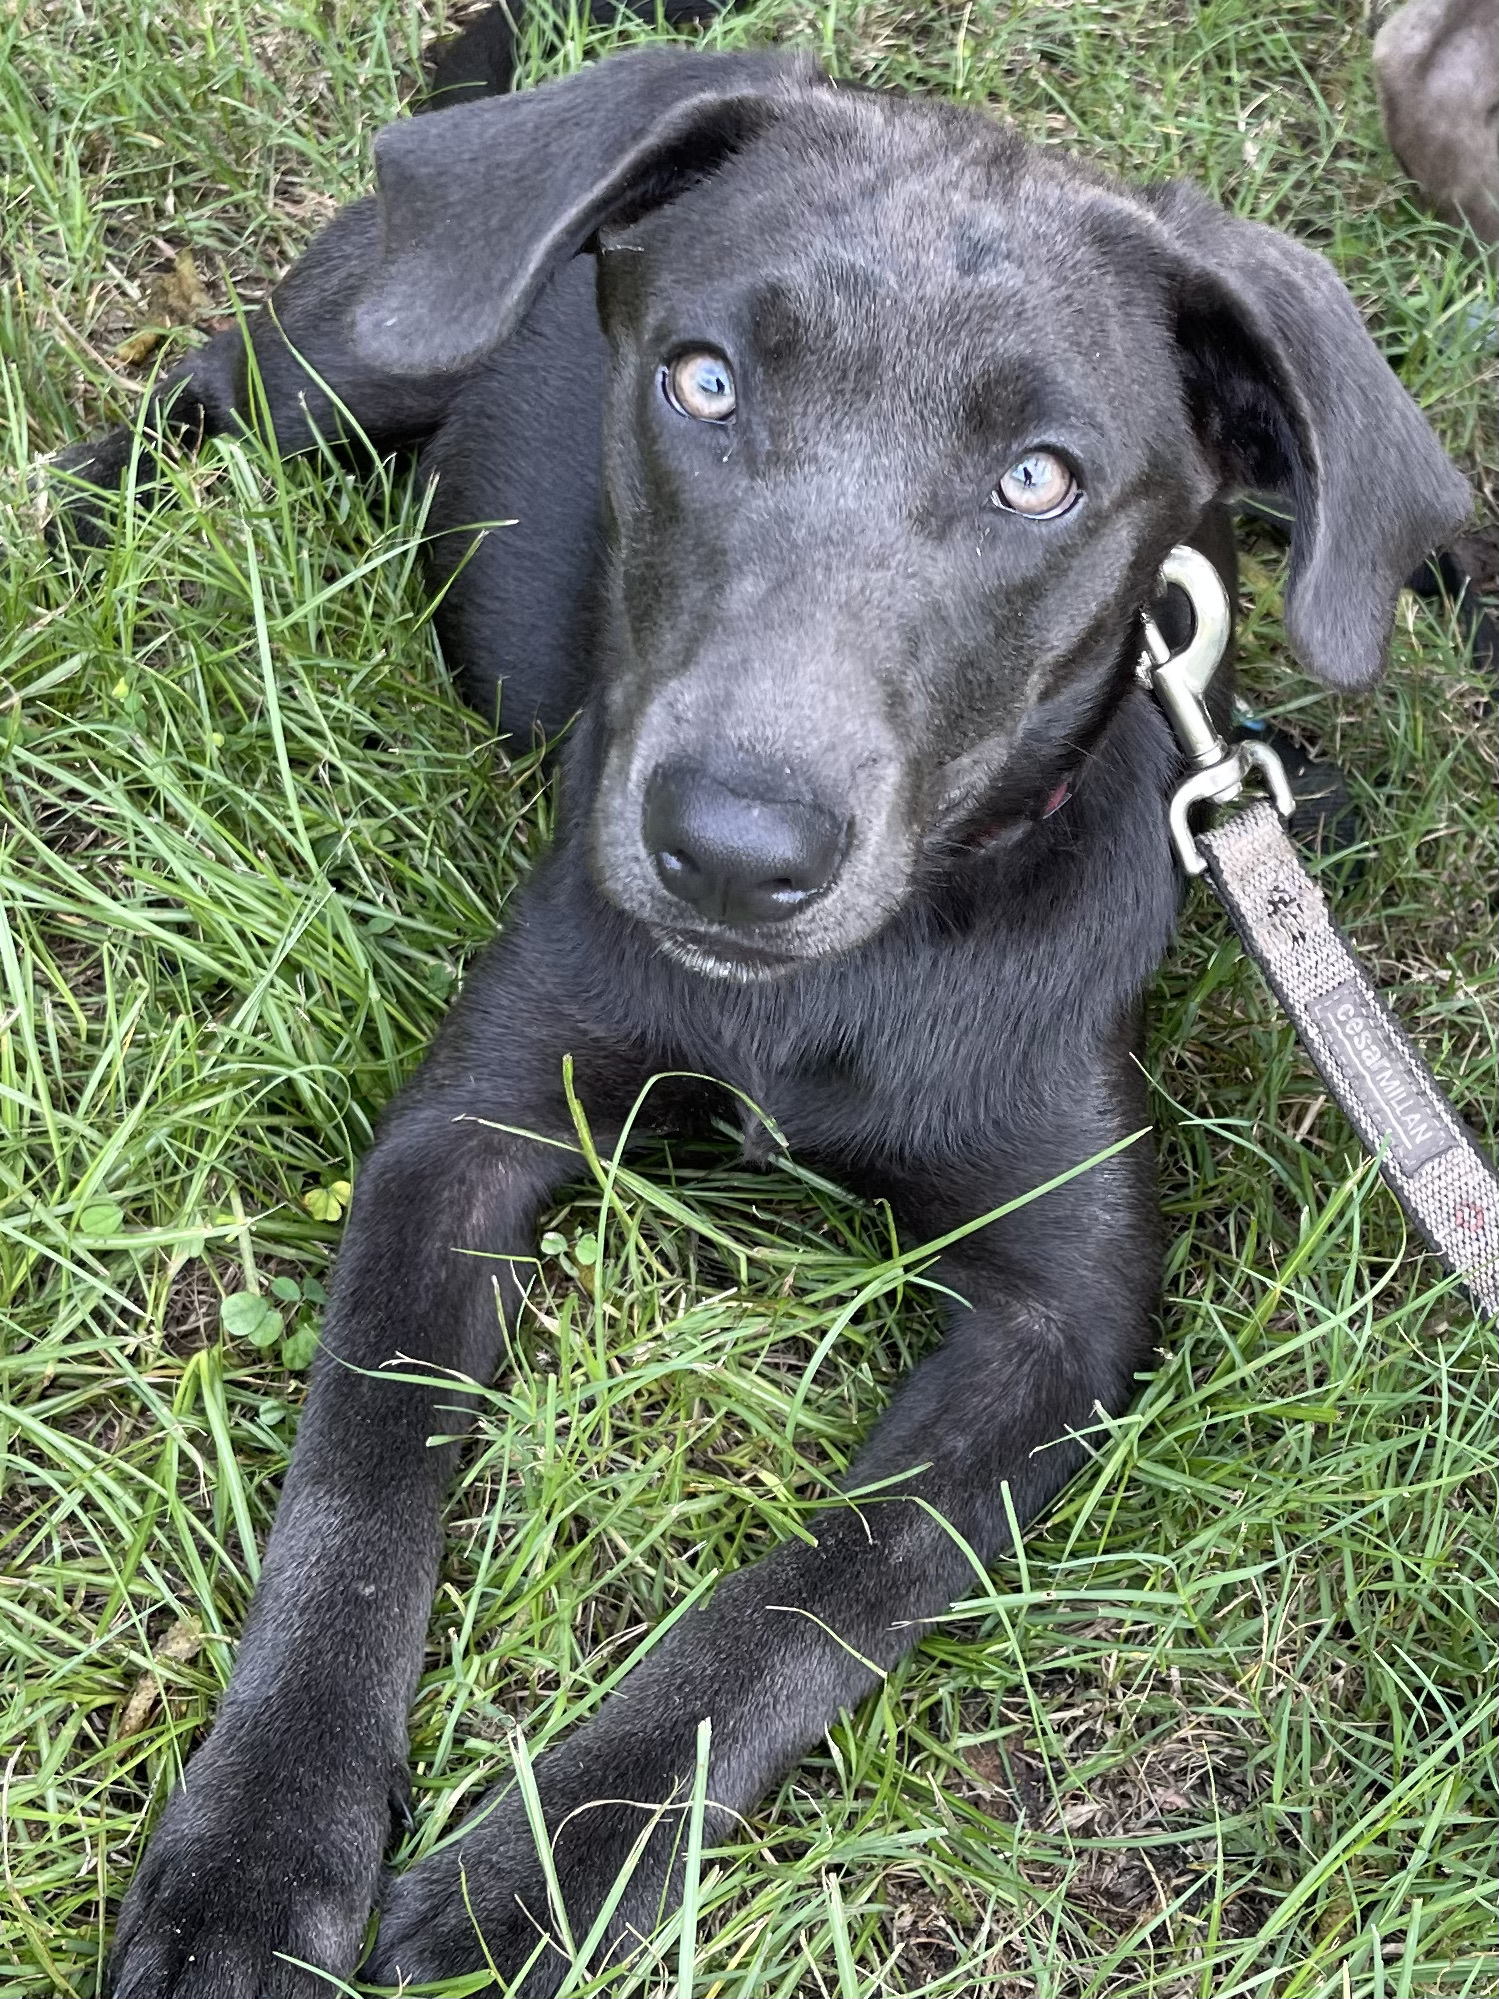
{"x": 1228, "y": 1727}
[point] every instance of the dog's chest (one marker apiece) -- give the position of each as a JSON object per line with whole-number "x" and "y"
{"x": 898, "y": 1054}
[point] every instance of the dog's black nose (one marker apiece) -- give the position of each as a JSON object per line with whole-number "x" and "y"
{"x": 734, "y": 854}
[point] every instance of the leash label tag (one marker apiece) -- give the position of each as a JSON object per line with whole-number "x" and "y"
{"x": 1363, "y": 1042}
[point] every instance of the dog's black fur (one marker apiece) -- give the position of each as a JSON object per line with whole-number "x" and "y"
{"x": 816, "y": 613}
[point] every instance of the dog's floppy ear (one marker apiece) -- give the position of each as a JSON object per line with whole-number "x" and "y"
{"x": 478, "y": 204}
{"x": 1292, "y": 397}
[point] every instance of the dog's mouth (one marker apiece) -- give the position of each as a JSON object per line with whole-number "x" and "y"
{"x": 727, "y": 958}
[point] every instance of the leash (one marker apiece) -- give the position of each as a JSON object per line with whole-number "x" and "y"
{"x": 1389, "y": 1095}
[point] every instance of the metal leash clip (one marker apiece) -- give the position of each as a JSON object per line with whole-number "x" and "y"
{"x": 1180, "y": 682}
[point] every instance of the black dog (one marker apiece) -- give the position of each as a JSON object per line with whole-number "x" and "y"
{"x": 842, "y": 470}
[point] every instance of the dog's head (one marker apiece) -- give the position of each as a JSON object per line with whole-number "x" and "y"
{"x": 902, "y": 416}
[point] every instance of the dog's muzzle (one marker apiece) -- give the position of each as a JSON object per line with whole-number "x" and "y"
{"x": 733, "y": 851}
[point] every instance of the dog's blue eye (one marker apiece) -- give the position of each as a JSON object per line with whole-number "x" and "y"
{"x": 1038, "y": 485}
{"x": 701, "y": 385}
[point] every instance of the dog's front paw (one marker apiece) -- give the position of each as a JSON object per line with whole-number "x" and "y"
{"x": 244, "y": 1876}
{"x": 79, "y": 487}
{"x": 461, "y": 1910}
{"x": 483, "y": 1902}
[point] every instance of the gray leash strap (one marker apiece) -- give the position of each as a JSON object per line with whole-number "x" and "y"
{"x": 1388, "y": 1094}
{"x": 1368, "y": 1063}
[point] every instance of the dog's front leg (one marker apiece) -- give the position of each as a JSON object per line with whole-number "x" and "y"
{"x": 270, "y": 1847}
{"x": 1055, "y": 1323}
